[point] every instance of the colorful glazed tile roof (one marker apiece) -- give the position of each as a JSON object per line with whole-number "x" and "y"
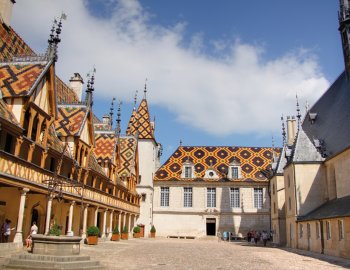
{"x": 6, "y": 114}
{"x": 105, "y": 147}
{"x": 93, "y": 165}
{"x": 253, "y": 160}
{"x": 127, "y": 158}
{"x": 64, "y": 93}
{"x": 11, "y": 44}
{"x": 140, "y": 122}
{"x": 102, "y": 127}
{"x": 70, "y": 120}
{"x": 53, "y": 141}
{"x": 17, "y": 79}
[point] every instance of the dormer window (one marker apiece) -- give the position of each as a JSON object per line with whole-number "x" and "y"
{"x": 210, "y": 173}
{"x": 235, "y": 170}
{"x": 187, "y": 169}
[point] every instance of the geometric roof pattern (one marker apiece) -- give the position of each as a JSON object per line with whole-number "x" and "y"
{"x": 11, "y": 44}
{"x": 6, "y": 114}
{"x": 105, "y": 146}
{"x": 127, "y": 156}
{"x": 253, "y": 161}
{"x": 17, "y": 79}
{"x": 140, "y": 122}
{"x": 64, "y": 93}
{"x": 70, "y": 120}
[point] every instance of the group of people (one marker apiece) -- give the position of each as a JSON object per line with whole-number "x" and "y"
{"x": 256, "y": 236}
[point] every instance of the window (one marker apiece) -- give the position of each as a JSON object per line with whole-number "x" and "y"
{"x": 164, "y": 196}
{"x": 8, "y": 143}
{"x": 308, "y": 227}
{"x": 234, "y": 198}
{"x": 341, "y": 229}
{"x": 288, "y": 181}
{"x": 290, "y": 232}
{"x": 235, "y": 172}
{"x": 211, "y": 197}
{"x": 301, "y": 230}
{"x": 188, "y": 172}
{"x": 274, "y": 208}
{"x": 258, "y": 198}
{"x": 328, "y": 230}
{"x": 143, "y": 197}
{"x": 187, "y": 197}
{"x": 290, "y": 203}
{"x": 273, "y": 188}
{"x": 318, "y": 235}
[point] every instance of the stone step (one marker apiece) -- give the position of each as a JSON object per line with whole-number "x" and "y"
{"x": 23, "y": 267}
{"x": 38, "y": 257}
{"x": 32, "y": 264}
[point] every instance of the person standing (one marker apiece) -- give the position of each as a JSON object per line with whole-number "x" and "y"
{"x": 264, "y": 236}
{"x": 7, "y": 230}
{"x": 256, "y": 237}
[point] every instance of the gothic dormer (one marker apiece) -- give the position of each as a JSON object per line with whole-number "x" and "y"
{"x": 187, "y": 169}
{"x": 344, "y": 28}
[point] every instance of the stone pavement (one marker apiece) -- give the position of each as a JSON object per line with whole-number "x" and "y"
{"x": 169, "y": 254}
{"x": 204, "y": 254}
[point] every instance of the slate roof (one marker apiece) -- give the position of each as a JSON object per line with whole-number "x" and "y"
{"x": 127, "y": 156}
{"x": 304, "y": 149}
{"x": 254, "y": 161}
{"x": 70, "y": 120}
{"x": 332, "y": 124}
{"x": 18, "y": 79}
{"x": 140, "y": 122}
{"x": 331, "y": 209}
{"x": 11, "y": 44}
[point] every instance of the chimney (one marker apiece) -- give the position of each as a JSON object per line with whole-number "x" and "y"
{"x": 6, "y": 11}
{"x": 76, "y": 83}
{"x": 106, "y": 119}
{"x": 291, "y": 129}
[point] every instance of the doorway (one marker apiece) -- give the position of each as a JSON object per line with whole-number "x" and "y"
{"x": 211, "y": 226}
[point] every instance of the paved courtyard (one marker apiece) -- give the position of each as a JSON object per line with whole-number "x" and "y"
{"x": 203, "y": 254}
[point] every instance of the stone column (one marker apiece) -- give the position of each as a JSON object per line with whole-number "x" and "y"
{"x": 121, "y": 221}
{"x": 85, "y": 221}
{"x": 95, "y": 219}
{"x": 70, "y": 219}
{"x": 129, "y": 222}
{"x": 48, "y": 213}
{"x": 19, "y": 234}
{"x": 103, "y": 235}
{"x": 110, "y": 224}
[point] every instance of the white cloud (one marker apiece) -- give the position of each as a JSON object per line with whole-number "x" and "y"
{"x": 238, "y": 92}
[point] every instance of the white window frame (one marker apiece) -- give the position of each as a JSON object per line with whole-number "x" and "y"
{"x": 258, "y": 198}
{"x": 235, "y": 197}
{"x": 188, "y": 197}
{"x": 341, "y": 229}
{"x": 188, "y": 171}
{"x": 164, "y": 196}
{"x": 234, "y": 166}
{"x": 211, "y": 197}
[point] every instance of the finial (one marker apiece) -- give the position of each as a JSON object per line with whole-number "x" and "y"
{"x": 135, "y": 99}
{"x": 118, "y": 118}
{"x": 283, "y": 131}
{"x": 90, "y": 87}
{"x": 111, "y": 112}
{"x": 273, "y": 147}
{"x": 145, "y": 90}
{"x": 180, "y": 142}
{"x": 298, "y": 111}
{"x": 55, "y": 39}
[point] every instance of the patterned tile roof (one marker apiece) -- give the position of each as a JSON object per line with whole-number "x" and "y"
{"x": 6, "y": 114}
{"x": 105, "y": 146}
{"x": 93, "y": 165}
{"x": 17, "y": 79}
{"x": 140, "y": 122}
{"x": 253, "y": 160}
{"x": 64, "y": 93}
{"x": 70, "y": 120}
{"x": 102, "y": 127}
{"x": 127, "y": 156}
{"x": 53, "y": 141}
{"x": 11, "y": 44}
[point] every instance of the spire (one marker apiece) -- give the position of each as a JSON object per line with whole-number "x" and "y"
{"x": 135, "y": 99}
{"x": 344, "y": 29}
{"x": 117, "y": 128}
{"x": 273, "y": 148}
{"x": 55, "y": 38}
{"x": 298, "y": 112}
{"x": 180, "y": 142}
{"x": 111, "y": 112}
{"x": 145, "y": 90}
{"x": 283, "y": 131}
{"x": 90, "y": 88}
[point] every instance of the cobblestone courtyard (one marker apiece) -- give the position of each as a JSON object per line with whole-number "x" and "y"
{"x": 203, "y": 254}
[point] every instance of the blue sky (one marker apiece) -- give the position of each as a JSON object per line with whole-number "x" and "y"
{"x": 219, "y": 72}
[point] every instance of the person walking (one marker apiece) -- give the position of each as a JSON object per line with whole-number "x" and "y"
{"x": 256, "y": 237}
{"x": 264, "y": 236}
{"x": 7, "y": 230}
{"x": 249, "y": 236}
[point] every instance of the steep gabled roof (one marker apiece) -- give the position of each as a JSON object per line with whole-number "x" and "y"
{"x": 11, "y": 44}
{"x": 127, "y": 156}
{"x": 105, "y": 146}
{"x": 253, "y": 161}
{"x": 70, "y": 120}
{"x": 19, "y": 79}
{"x": 304, "y": 150}
{"x": 140, "y": 122}
{"x": 331, "y": 125}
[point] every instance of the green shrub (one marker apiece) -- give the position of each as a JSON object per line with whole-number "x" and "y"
{"x": 115, "y": 230}
{"x": 153, "y": 229}
{"x": 55, "y": 230}
{"x": 137, "y": 229}
{"x": 125, "y": 230}
{"x": 93, "y": 231}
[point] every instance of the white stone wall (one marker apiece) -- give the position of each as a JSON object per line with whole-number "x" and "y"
{"x": 178, "y": 220}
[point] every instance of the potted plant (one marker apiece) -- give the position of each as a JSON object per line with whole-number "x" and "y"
{"x": 115, "y": 234}
{"x": 92, "y": 233}
{"x": 125, "y": 233}
{"x": 55, "y": 230}
{"x": 137, "y": 232}
{"x": 153, "y": 232}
